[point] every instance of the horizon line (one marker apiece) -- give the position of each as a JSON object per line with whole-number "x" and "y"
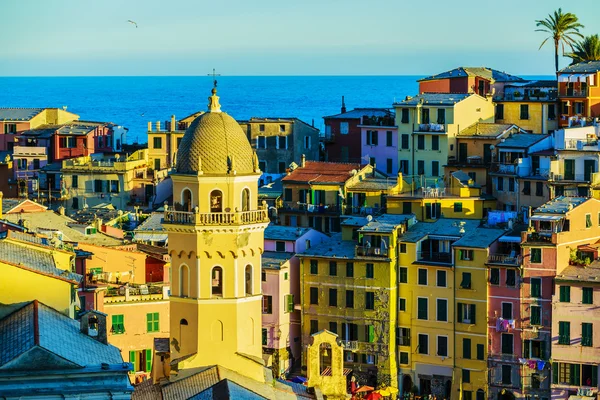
{"x": 232, "y": 76}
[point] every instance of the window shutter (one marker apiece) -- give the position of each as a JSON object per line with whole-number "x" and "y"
{"x": 371, "y": 334}
{"x": 132, "y": 359}
{"x": 459, "y": 313}
{"x": 543, "y": 350}
{"x": 526, "y": 346}
{"x": 344, "y": 337}
{"x": 290, "y": 302}
{"x": 575, "y": 369}
{"x": 472, "y": 313}
{"x": 148, "y": 360}
{"x": 555, "y": 373}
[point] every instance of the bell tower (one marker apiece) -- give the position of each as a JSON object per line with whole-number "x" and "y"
{"x": 216, "y": 236}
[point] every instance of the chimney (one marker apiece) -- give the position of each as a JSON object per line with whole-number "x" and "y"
{"x": 172, "y": 123}
{"x": 343, "y": 105}
{"x": 93, "y": 324}
{"x": 158, "y": 126}
{"x": 149, "y": 126}
{"x": 303, "y": 161}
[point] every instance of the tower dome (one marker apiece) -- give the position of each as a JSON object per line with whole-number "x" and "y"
{"x": 215, "y": 143}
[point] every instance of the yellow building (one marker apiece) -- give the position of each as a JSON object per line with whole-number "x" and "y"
{"x": 427, "y": 127}
{"x": 462, "y": 198}
{"x": 349, "y": 287}
{"x": 215, "y": 243}
{"x": 32, "y": 271}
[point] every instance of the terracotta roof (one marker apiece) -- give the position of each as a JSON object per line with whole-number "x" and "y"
{"x": 487, "y": 130}
{"x": 322, "y": 172}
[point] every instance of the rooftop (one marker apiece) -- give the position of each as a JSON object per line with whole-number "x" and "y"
{"x": 434, "y": 99}
{"x": 275, "y": 259}
{"x": 578, "y": 273}
{"x": 386, "y": 223}
{"x": 18, "y": 114}
{"x": 480, "y": 237}
{"x": 322, "y": 172}
{"x": 464, "y": 179}
{"x": 443, "y": 227}
{"x": 370, "y": 183}
{"x": 534, "y": 84}
{"x": 278, "y": 232}
{"x": 483, "y": 72}
{"x": 560, "y": 205}
{"x": 358, "y": 113}
{"x": 582, "y": 67}
{"x": 522, "y": 140}
{"x": 481, "y": 130}
{"x": 334, "y": 247}
{"x": 33, "y": 259}
{"x": 76, "y": 128}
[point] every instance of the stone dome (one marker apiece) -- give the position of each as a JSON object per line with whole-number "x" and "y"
{"x": 215, "y": 144}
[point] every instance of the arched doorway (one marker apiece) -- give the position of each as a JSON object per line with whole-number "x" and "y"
{"x": 184, "y": 281}
{"x": 216, "y": 201}
{"x": 186, "y": 200}
{"x": 506, "y": 395}
{"x": 248, "y": 276}
{"x": 217, "y": 282}
{"x": 246, "y": 200}
{"x": 406, "y": 384}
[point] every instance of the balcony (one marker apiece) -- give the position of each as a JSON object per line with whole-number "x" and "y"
{"x": 570, "y": 177}
{"x": 581, "y": 144}
{"x": 504, "y": 168}
{"x": 505, "y": 259}
{"x": 351, "y": 345}
{"x": 364, "y": 251}
{"x": 311, "y": 208}
{"x": 216, "y": 219}
{"x": 434, "y": 128}
{"x": 378, "y": 121}
{"x": 434, "y": 257}
{"x": 572, "y": 92}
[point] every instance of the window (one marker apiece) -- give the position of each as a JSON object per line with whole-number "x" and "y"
{"x": 564, "y": 332}
{"x": 587, "y": 334}
{"x": 423, "y": 344}
{"x": 314, "y": 326}
{"x": 349, "y": 298}
{"x": 402, "y": 304}
{"x": 441, "y": 116}
{"x": 441, "y": 278}
{"x": 389, "y": 166}
{"x": 372, "y": 138}
{"x": 344, "y": 128}
{"x": 333, "y": 298}
{"x": 403, "y": 167}
{"x": 267, "y": 305}
{"x": 405, "y": 141}
{"x": 442, "y": 310}
{"x": 435, "y": 168}
{"x": 420, "y": 142}
{"x": 536, "y": 315}
{"x": 506, "y": 375}
{"x": 499, "y": 111}
{"x": 420, "y": 167}
{"x": 261, "y": 142}
{"x": 403, "y": 357}
{"x": 473, "y": 175}
{"x": 287, "y": 194}
{"x": 536, "y": 255}
{"x": 507, "y": 343}
{"x": 551, "y": 111}
{"x": 12, "y": 128}
{"x": 403, "y": 336}
{"x": 466, "y": 313}
{"x": 370, "y": 300}
{"x": 114, "y": 186}
{"x": 435, "y": 142}
{"x": 314, "y": 267}
{"x": 465, "y": 255}
{"x": 281, "y": 128}
{"x": 404, "y": 118}
{"x": 466, "y": 280}
{"x": 98, "y": 185}
{"x": 216, "y": 201}
{"x": 333, "y": 327}
{"x": 466, "y": 348}
{"x": 526, "y": 188}
{"x": 263, "y": 276}
{"x": 466, "y": 378}
{"x": 480, "y": 352}
{"x": 565, "y": 294}
{"x": 157, "y": 143}
{"x": 314, "y": 296}
{"x": 265, "y": 336}
{"x": 458, "y": 207}
{"x": 217, "y": 281}
{"x": 389, "y": 138}
{"x": 524, "y": 111}
{"x": 349, "y": 270}
{"x": 281, "y": 167}
{"x": 500, "y": 185}
{"x": 511, "y": 277}
{"x": 152, "y": 323}
{"x": 536, "y": 287}
{"x": 74, "y": 181}
{"x": 332, "y": 268}
{"x": 403, "y": 275}
{"x": 289, "y": 303}
{"x": 422, "y": 308}
{"x": 495, "y": 276}
{"x": 539, "y": 189}
{"x": 588, "y": 220}
{"x": 587, "y": 295}
{"x": 507, "y": 310}
{"x": 511, "y": 185}
{"x": 422, "y": 276}
{"x": 425, "y": 115}
{"x": 442, "y": 346}
{"x": 307, "y": 142}
{"x": 118, "y": 325}
{"x": 370, "y": 271}
{"x": 467, "y": 394}
{"x": 372, "y": 161}
{"x": 262, "y": 165}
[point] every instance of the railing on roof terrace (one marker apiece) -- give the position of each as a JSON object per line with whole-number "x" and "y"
{"x": 440, "y": 128}
{"x": 581, "y": 144}
{"x": 216, "y": 218}
{"x": 504, "y": 259}
{"x": 571, "y": 177}
{"x": 504, "y": 168}
{"x": 365, "y": 251}
{"x": 434, "y": 256}
{"x": 571, "y": 92}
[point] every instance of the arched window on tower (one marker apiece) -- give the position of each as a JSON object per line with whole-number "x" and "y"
{"x": 186, "y": 200}
{"x": 246, "y": 200}
{"x": 216, "y": 201}
{"x": 184, "y": 281}
{"x": 217, "y": 281}
{"x": 248, "y": 280}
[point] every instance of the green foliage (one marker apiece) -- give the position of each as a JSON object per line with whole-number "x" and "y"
{"x": 587, "y": 49}
{"x": 562, "y": 28}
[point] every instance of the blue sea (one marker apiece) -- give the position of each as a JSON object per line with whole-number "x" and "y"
{"x": 133, "y": 101}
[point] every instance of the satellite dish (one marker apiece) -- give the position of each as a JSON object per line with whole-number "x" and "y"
{"x": 369, "y": 218}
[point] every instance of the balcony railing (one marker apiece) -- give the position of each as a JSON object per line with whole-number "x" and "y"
{"x": 579, "y": 144}
{"x": 371, "y": 251}
{"x": 311, "y": 208}
{"x": 570, "y": 177}
{"x": 217, "y": 218}
{"x": 435, "y": 257}
{"x": 351, "y": 345}
{"x": 504, "y": 259}
{"x": 504, "y": 168}
{"x": 439, "y": 128}
{"x": 571, "y": 92}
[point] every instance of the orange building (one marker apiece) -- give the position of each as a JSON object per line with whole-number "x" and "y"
{"x": 579, "y": 93}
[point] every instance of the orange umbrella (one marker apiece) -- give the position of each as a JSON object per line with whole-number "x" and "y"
{"x": 364, "y": 389}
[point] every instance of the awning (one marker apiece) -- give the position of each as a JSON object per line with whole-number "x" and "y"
{"x": 581, "y": 398}
{"x": 151, "y": 237}
{"x": 327, "y": 371}
{"x": 546, "y": 217}
{"x": 510, "y": 239}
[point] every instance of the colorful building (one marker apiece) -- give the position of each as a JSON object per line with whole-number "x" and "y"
{"x": 480, "y": 80}
{"x": 428, "y": 125}
{"x": 579, "y": 93}
{"x": 379, "y": 144}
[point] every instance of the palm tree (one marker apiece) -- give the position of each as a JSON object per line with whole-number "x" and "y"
{"x": 562, "y": 28}
{"x": 587, "y": 49}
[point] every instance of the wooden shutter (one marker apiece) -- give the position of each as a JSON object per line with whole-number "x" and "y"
{"x": 148, "y": 360}
{"x": 472, "y": 306}
{"x": 459, "y": 312}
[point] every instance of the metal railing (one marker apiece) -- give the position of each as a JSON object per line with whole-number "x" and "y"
{"x": 217, "y": 218}
{"x": 437, "y": 257}
{"x": 430, "y": 127}
{"x": 371, "y": 251}
{"x": 350, "y": 344}
{"x": 572, "y": 92}
{"x": 504, "y": 259}
{"x": 504, "y": 168}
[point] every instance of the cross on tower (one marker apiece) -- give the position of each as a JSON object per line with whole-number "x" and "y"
{"x": 214, "y": 75}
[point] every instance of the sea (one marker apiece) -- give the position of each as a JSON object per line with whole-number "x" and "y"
{"x": 133, "y": 101}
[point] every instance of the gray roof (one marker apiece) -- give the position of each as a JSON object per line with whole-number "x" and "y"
{"x": 152, "y": 223}
{"x": 435, "y": 99}
{"x": 386, "y": 223}
{"x": 42, "y": 131}
{"x": 484, "y": 72}
{"x": 582, "y": 67}
{"x": 53, "y": 332}
{"x": 464, "y": 179}
{"x": 480, "y": 237}
{"x": 334, "y": 247}
{"x": 275, "y": 259}
{"x": 577, "y": 273}
{"x": 226, "y": 390}
{"x": 560, "y": 205}
{"x": 278, "y": 232}
{"x": 522, "y": 140}
{"x": 18, "y": 114}
{"x": 33, "y": 259}
{"x": 486, "y": 130}
{"x": 77, "y": 128}
{"x": 354, "y": 221}
{"x": 358, "y": 113}
{"x": 449, "y": 227}
{"x": 27, "y": 237}
{"x": 376, "y": 184}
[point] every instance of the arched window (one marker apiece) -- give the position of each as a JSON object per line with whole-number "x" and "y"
{"x": 480, "y": 395}
{"x": 183, "y": 322}
{"x": 217, "y": 281}
{"x": 216, "y": 201}
{"x": 184, "y": 281}
{"x": 325, "y": 358}
{"x": 246, "y": 200}
{"x": 248, "y": 280}
{"x": 186, "y": 200}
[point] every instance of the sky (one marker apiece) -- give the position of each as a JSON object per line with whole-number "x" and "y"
{"x": 277, "y": 37}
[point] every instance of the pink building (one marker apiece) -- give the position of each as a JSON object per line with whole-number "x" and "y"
{"x": 379, "y": 145}
{"x": 576, "y": 329}
{"x": 281, "y": 294}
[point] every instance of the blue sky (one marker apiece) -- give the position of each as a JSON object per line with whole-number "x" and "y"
{"x": 283, "y": 37}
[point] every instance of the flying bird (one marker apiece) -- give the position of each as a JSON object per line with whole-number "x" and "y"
{"x": 132, "y": 22}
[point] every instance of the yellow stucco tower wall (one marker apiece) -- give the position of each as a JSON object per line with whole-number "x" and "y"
{"x": 215, "y": 242}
